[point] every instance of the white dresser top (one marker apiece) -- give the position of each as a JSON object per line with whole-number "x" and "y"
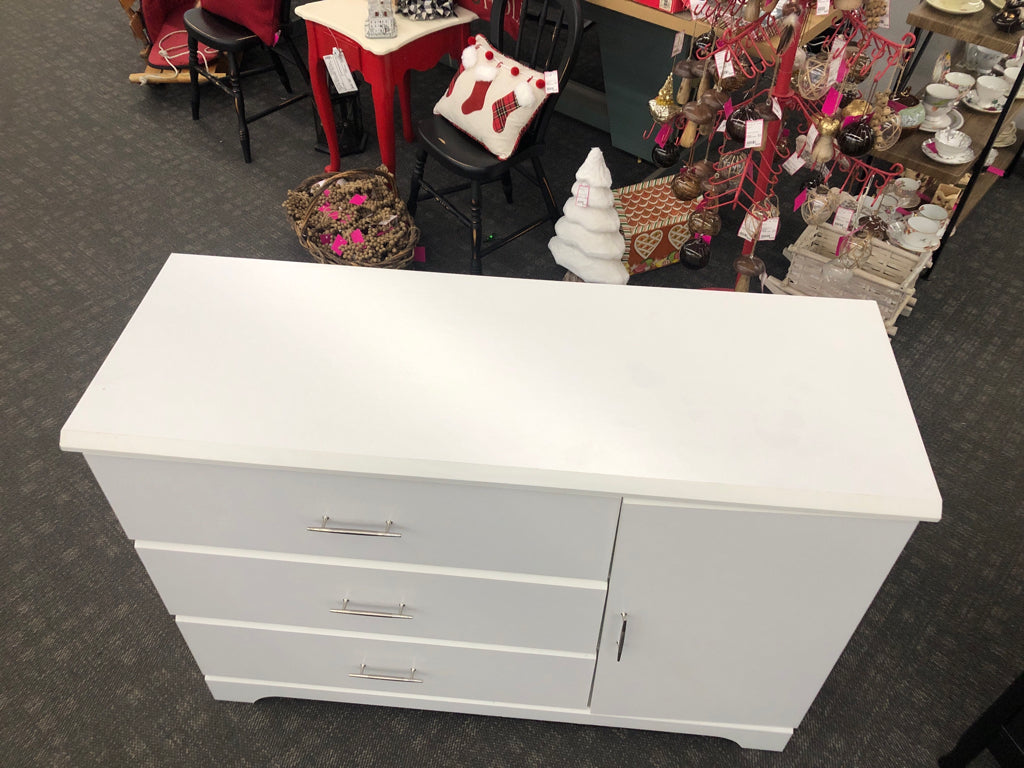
{"x": 680, "y": 394}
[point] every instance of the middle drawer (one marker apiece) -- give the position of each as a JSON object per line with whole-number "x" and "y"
{"x": 221, "y": 584}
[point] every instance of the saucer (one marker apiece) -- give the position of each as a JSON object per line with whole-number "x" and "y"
{"x": 899, "y": 241}
{"x": 952, "y": 120}
{"x": 928, "y": 147}
{"x": 959, "y": 7}
{"x": 971, "y": 100}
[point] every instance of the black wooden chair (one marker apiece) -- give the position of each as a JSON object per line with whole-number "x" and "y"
{"x": 234, "y": 40}
{"x": 549, "y": 39}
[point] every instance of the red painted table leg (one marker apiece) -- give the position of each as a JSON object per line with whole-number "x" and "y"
{"x": 322, "y": 94}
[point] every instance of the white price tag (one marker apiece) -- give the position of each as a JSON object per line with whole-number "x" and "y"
{"x": 677, "y": 43}
{"x": 340, "y": 74}
{"x": 583, "y": 195}
{"x": 721, "y": 127}
{"x": 698, "y": 8}
{"x": 754, "y": 134}
{"x": 885, "y": 23}
{"x": 793, "y": 164}
{"x": 844, "y": 218}
{"x": 812, "y": 134}
{"x": 551, "y": 81}
{"x": 822, "y": 7}
{"x": 665, "y": 5}
{"x": 776, "y": 108}
{"x": 833, "y": 69}
{"x": 723, "y": 60}
{"x": 1020, "y": 48}
{"x": 769, "y": 229}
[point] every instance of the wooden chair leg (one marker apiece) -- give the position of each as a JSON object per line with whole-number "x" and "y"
{"x": 193, "y": 74}
{"x": 235, "y": 83}
{"x": 545, "y": 189}
{"x": 506, "y": 185}
{"x": 279, "y": 68}
{"x": 417, "y": 176}
{"x": 475, "y": 218}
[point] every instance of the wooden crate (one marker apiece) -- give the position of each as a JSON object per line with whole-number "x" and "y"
{"x": 887, "y": 277}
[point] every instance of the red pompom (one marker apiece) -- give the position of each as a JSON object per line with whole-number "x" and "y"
{"x": 514, "y": 71}
{"x": 470, "y": 40}
{"x": 540, "y": 83}
{"x": 489, "y": 55}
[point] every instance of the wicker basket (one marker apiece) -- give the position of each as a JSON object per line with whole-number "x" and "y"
{"x": 887, "y": 277}
{"x": 353, "y": 217}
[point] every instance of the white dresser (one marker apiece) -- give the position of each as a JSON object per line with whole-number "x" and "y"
{"x": 639, "y": 507}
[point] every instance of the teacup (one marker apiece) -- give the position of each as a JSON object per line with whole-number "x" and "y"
{"x": 938, "y": 101}
{"x": 1010, "y": 77}
{"x": 920, "y": 225}
{"x": 917, "y": 241}
{"x": 962, "y": 81}
{"x": 990, "y": 90}
{"x": 906, "y": 190}
{"x": 950, "y": 143}
{"x": 933, "y": 212}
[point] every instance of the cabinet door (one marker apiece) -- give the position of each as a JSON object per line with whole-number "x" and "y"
{"x": 734, "y": 616}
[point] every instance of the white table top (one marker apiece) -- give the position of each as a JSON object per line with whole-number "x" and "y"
{"x": 349, "y": 16}
{"x": 740, "y": 398}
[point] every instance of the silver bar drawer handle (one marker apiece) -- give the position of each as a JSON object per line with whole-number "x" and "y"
{"x": 622, "y": 637}
{"x": 376, "y": 614}
{"x": 355, "y": 531}
{"x": 390, "y": 678}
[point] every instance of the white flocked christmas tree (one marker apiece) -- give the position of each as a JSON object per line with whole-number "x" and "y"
{"x": 587, "y": 240}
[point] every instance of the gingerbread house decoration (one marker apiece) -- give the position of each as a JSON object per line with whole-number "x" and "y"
{"x": 654, "y": 223}
{"x": 380, "y": 21}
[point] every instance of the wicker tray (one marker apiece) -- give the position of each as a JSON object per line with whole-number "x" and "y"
{"x": 353, "y": 217}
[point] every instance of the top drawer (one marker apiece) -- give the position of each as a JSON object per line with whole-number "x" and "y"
{"x": 439, "y": 524}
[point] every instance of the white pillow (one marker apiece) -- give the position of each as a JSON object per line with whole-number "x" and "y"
{"x": 492, "y": 98}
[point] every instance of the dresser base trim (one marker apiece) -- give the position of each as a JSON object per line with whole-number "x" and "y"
{"x": 249, "y": 691}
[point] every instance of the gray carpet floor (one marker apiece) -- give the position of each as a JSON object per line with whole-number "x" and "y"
{"x": 101, "y": 179}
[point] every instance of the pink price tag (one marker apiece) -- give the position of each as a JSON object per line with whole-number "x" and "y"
{"x": 843, "y": 69}
{"x": 799, "y": 200}
{"x": 357, "y": 199}
{"x": 583, "y": 195}
{"x": 419, "y": 253}
{"x": 850, "y": 119}
{"x": 727, "y": 108}
{"x": 356, "y": 235}
{"x": 997, "y": 171}
{"x": 831, "y": 102}
{"x": 663, "y": 134}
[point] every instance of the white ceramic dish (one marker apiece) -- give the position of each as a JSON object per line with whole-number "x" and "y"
{"x": 959, "y": 7}
{"x": 932, "y": 242}
{"x": 951, "y": 119}
{"x": 970, "y": 99}
{"x": 928, "y": 147}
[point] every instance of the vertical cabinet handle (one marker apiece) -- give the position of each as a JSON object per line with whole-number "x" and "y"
{"x": 622, "y": 637}
{"x": 375, "y": 614}
{"x": 355, "y": 531}
{"x": 361, "y": 674}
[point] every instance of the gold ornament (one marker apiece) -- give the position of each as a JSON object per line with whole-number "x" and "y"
{"x": 856, "y": 108}
{"x": 827, "y": 126}
{"x": 664, "y": 107}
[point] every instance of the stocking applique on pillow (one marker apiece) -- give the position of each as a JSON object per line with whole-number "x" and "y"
{"x": 483, "y": 73}
{"x": 520, "y": 96}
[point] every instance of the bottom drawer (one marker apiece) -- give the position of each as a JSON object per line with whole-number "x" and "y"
{"x": 259, "y": 652}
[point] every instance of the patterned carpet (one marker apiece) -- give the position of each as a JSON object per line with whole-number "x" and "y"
{"x": 102, "y": 179}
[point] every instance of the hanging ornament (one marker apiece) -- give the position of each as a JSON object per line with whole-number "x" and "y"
{"x": 686, "y": 185}
{"x": 874, "y": 12}
{"x": 823, "y": 151}
{"x": 856, "y": 138}
{"x": 813, "y": 83}
{"x": 855, "y": 108}
{"x": 696, "y": 252}
{"x": 663, "y": 107}
{"x": 818, "y": 206}
{"x": 704, "y": 222}
{"x": 747, "y": 267}
{"x": 875, "y": 226}
{"x": 909, "y": 108}
{"x": 736, "y": 123}
{"x": 887, "y": 130}
{"x": 816, "y": 179}
{"x": 714, "y": 98}
{"x": 703, "y": 44}
{"x": 703, "y": 169}
{"x": 666, "y": 156}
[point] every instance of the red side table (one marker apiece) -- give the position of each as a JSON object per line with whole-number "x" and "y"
{"x": 383, "y": 62}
